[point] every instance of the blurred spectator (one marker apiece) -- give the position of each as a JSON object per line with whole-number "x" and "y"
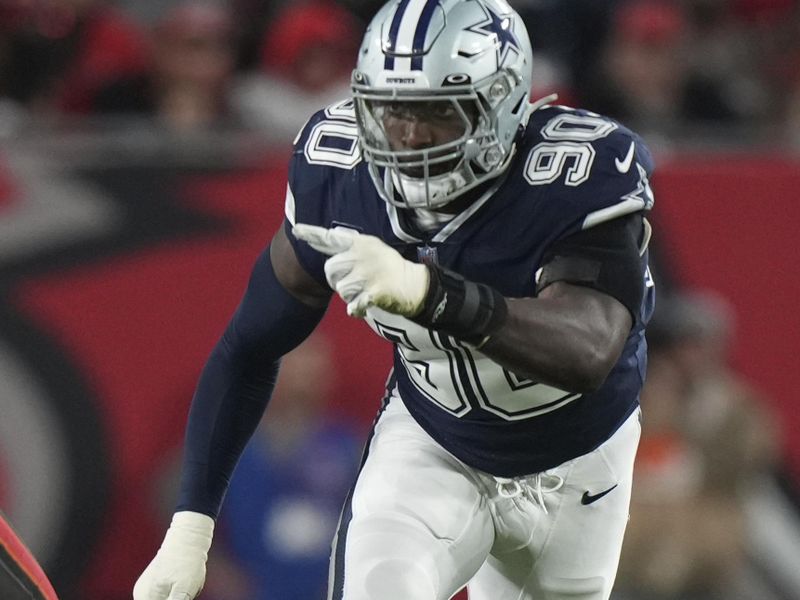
{"x": 364, "y": 9}
{"x": 192, "y": 62}
{"x": 727, "y": 81}
{"x": 706, "y": 439}
{"x": 307, "y": 55}
{"x": 642, "y": 74}
{"x": 669, "y": 70}
{"x": 288, "y": 488}
{"x": 252, "y": 18}
{"x": 56, "y": 54}
{"x": 777, "y": 33}
{"x": 567, "y": 39}
{"x": 793, "y": 117}
{"x": 763, "y": 11}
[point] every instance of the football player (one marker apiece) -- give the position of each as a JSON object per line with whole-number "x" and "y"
{"x": 500, "y": 247}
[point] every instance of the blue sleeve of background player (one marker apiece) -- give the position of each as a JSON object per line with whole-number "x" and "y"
{"x": 236, "y": 385}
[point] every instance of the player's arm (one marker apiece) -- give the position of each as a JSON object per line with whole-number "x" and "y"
{"x": 280, "y": 308}
{"x": 569, "y": 336}
{"x": 293, "y": 276}
{"x": 590, "y": 289}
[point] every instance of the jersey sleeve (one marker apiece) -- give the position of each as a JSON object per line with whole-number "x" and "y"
{"x": 592, "y": 178}
{"x": 591, "y": 169}
{"x": 620, "y": 181}
{"x": 606, "y": 257}
{"x": 325, "y": 152}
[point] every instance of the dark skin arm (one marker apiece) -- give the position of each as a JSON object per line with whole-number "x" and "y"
{"x": 569, "y": 337}
{"x": 293, "y": 276}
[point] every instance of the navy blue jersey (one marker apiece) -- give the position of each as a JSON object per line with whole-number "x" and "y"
{"x": 572, "y": 170}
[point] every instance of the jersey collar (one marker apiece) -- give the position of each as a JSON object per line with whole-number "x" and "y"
{"x": 403, "y": 229}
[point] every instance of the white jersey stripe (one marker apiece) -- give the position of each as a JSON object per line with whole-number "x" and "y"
{"x": 289, "y": 206}
{"x": 612, "y": 212}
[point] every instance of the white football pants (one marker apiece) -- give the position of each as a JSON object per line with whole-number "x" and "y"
{"x": 420, "y": 524}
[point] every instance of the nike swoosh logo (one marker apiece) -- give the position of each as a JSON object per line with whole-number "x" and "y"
{"x": 623, "y": 166}
{"x": 588, "y": 498}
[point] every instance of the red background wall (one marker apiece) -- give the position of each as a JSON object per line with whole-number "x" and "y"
{"x": 730, "y": 224}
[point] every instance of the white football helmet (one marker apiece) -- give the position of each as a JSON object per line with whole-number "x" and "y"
{"x": 468, "y": 61}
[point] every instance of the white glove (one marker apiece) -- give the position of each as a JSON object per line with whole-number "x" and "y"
{"x": 178, "y": 570}
{"x": 366, "y": 272}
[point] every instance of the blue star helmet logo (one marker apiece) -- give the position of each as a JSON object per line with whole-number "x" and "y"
{"x": 501, "y": 28}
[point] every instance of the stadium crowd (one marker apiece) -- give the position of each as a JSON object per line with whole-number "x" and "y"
{"x": 679, "y": 69}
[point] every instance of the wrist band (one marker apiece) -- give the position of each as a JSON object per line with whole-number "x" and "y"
{"x": 463, "y": 309}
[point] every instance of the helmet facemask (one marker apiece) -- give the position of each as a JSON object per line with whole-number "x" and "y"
{"x": 431, "y": 177}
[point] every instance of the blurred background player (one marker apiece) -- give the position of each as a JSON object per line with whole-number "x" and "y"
{"x": 21, "y": 577}
{"x": 305, "y": 61}
{"x": 191, "y": 67}
{"x": 282, "y": 508}
{"x": 706, "y": 444}
{"x": 59, "y": 54}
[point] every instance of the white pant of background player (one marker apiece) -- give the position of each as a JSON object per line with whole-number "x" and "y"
{"x": 423, "y": 523}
